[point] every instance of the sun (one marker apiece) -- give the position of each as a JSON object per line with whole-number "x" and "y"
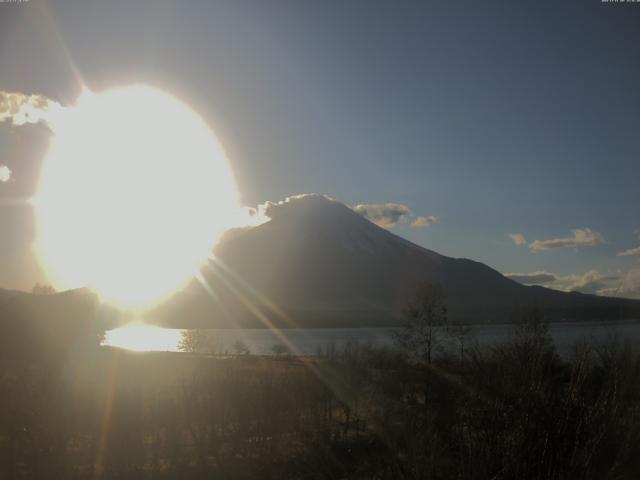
{"x": 133, "y": 194}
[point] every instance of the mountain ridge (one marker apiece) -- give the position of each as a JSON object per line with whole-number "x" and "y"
{"x": 319, "y": 263}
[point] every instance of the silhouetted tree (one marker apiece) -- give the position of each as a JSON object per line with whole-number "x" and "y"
{"x": 196, "y": 341}
{"x": 279, "y": 349}
{"x": 241, "y": 348}
{"x": 460, "y": 334}
{"x": 424, "y": 314}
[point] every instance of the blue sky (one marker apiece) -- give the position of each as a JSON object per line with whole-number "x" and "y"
{"x": 495, "y": 117}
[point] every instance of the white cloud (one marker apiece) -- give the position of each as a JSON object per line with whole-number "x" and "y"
{"x": 389, "y": 215}
{"x": 629, "y": 286}
{"x": 303, "y": 202}
{"x": 424, "y": 221}
{"x": 582, "y": 237}
{"x": 5, "y": 173}
{"x": 592, "y": 282}
{"x": 533, "y": 278}
{"x": 518, "y": 239}
{"x": 385, "y": 215}
{"x": 589, "y": 282}
{"x": 630, "y": 252}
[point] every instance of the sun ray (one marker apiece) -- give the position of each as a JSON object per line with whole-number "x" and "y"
{"x": 106, "y": 416}
{"x": 260, "y": 296}
{"x": 266, "y": 321}
{"x": 45, "y": 24}
{"x": 205, "y": 284}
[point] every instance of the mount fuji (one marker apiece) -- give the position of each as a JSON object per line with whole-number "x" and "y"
{"x": 317, "y": 263}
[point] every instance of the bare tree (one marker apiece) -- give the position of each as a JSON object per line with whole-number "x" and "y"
{"x": 241, "y": 348}
{"x": 278, "y": 349}
{"x": 196, "y": 341}
{"x": 424, "y": 314}
{"x": 460, "y": 334}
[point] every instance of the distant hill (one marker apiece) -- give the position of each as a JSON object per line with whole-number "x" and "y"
{"x": 47, "y": 326}
{"x": 318, "y": 263}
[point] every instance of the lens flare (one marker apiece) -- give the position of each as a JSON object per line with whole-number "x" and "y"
{"x": 133, "y": 194}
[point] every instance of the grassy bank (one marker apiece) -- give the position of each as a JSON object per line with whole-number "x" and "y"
{"x": 516, "y": 410}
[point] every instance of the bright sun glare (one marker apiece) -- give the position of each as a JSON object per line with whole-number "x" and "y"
{"x": 143, "y": 338}
{"x": 134, "y": 192}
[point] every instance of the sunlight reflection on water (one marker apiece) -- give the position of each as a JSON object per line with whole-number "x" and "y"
{"x": 143, "y": 338}
{"x": 309, "y": 341}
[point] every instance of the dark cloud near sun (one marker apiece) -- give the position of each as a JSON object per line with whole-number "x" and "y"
{"x": 21, "y": 109}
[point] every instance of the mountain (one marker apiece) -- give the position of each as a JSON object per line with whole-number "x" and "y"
{"x": 318, "y": 263}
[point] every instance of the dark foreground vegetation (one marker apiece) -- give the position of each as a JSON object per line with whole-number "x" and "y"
{"x": 513, "y": 411}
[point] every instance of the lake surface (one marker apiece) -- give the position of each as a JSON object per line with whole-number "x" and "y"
{"x": 311, "y": 341}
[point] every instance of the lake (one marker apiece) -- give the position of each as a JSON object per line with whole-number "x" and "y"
{"x": 310, "y": 341}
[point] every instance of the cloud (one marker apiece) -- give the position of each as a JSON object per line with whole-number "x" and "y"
{"x": 21, "y": 109}
{"x": 5, "y": 173}
{"x": 589, "y": 282}
{"x": 424, "y": 221}
{"x": 250, "y": 217}
{"x": 629, "y": 286}
{"x": 533, "y": 278}
{"x": 625, "y": 285}
{"x": 518, "y": 239}
{"x": 581, "y": 238}
{"x": 592, "y": 282}
{"x": 389, "y": 215}
{"x": 630, "y": 252}
{"x": 385, "y": 215}
{"x": 302, "y": 203}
